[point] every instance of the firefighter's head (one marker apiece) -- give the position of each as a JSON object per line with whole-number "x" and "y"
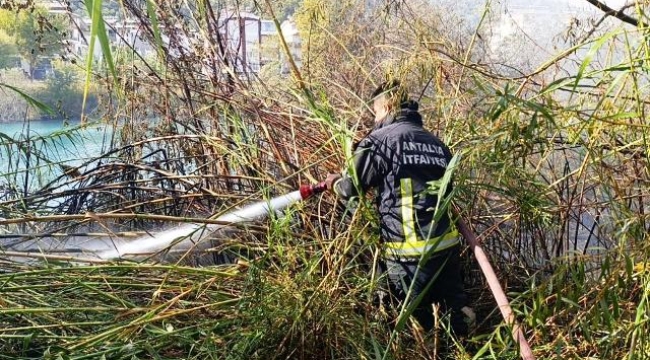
{"x": 387, "y": 98}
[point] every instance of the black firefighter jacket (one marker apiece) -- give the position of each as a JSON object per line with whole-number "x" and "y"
{"x": 404, "y": 163}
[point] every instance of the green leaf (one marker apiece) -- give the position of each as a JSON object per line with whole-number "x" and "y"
{"x": 151, "y": 12}
{"x": 97, "y": 31}
{"x": 590, "y": 56}
{"x": 30, "y": 100}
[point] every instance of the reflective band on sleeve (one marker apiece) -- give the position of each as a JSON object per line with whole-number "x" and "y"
{"x": 417, "y": 248}
{"x": 408, "y": 222}
{"x": 335, "y": 186}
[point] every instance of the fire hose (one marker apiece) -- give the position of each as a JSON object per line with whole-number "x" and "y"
{"x": 150, "y": 244}
{"x": 306, "y": 191}
{"x": 525, "y": 351}
{"x": 500, "y": 297}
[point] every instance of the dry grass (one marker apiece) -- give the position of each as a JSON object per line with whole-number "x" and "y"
{"x": 556, "y": 186}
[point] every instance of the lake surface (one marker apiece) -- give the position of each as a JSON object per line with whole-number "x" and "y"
{"x": 43, "y": 147}
{"x": 55, "y": 143}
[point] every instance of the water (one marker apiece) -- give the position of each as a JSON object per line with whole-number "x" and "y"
{"x": 36, "y": 127}
{"x": 73, "y": 144}
{"x": 87, "y": 140}
{"x": 53, "y": 143}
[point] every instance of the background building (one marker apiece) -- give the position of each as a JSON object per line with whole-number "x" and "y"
{"x": 242, "y": 32}
{"x": 292, "y": 37}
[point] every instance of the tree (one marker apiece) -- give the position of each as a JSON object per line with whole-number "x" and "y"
{"x": 63, "y": 91}
{"x": 36, "y": 34}
{"x": 329, "y": 30}
{"x": 8, "y": 51}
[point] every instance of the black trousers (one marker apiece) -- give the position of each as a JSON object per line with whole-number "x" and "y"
{"x": 442, "y": 271}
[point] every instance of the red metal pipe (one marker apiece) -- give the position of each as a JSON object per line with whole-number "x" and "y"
{"x": 492, "y": 280}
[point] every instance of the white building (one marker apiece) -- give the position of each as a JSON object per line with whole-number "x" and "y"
{"x": 127, "y": 33}
{"x": 54, "y": 7}
{"x": 292, "y": 37}
{"x": 242, "y": 33}
{"x": 269, "y": 49}
{"x": 267, "y": 29}
{"x": 122, "y": 33}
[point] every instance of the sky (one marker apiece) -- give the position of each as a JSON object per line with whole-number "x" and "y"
{"x": 557, "y": 6}
{"x": 536, "y": 29}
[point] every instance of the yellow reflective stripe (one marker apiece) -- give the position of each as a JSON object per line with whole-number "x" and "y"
{"x": 417, "y": 248}
{"x": 408, "y": 222}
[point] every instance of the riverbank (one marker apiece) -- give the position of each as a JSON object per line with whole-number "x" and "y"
{"x": 13, "y": 105}
{"x": 59, "y": 96}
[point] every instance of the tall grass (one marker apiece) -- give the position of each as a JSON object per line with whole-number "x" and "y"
{"x": 553, "y": 177}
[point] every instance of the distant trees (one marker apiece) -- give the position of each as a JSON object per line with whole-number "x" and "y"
{"x": 7, "y": 51}
{"x": 349, "y": 44}
{"x": 340, "y": 41}
{"x": 34, "y": 34}
{"x": 63, "y": 92}
{"x": 281, "y": 8}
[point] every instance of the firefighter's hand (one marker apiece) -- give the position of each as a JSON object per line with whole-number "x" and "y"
{"x": 330, "y": 180}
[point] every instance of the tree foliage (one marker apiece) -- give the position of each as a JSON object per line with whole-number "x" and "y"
{"x": 63, "y": 91}
{"x": 8, "y": 50}
{"x": 36, "y": 34}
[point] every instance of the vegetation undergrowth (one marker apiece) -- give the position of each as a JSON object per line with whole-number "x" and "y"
{"x": 553, "y": 177}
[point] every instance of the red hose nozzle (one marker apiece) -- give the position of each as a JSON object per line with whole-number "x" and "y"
{"x": 308, "y": 190}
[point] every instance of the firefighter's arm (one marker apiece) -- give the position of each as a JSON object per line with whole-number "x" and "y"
{"x": 367, "y": 168}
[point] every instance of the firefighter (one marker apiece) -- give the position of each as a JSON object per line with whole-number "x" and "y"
{"x": 405, "y": 165}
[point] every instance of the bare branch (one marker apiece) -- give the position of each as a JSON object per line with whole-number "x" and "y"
{"x": 619, "y": 14}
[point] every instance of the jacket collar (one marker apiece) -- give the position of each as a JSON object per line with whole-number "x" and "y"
{"x": 408, "y": 112}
